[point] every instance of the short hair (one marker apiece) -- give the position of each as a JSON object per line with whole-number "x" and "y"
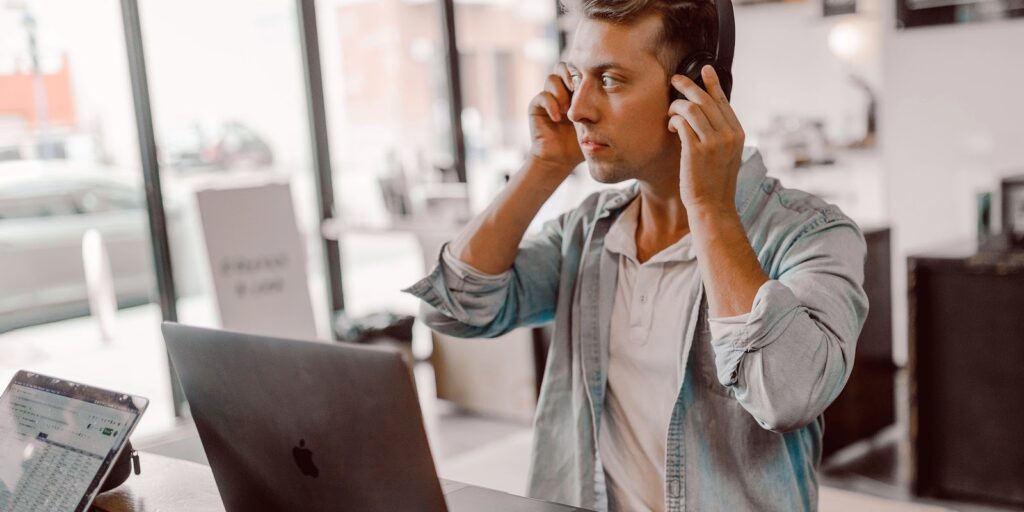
{"x": 687, "y": 26}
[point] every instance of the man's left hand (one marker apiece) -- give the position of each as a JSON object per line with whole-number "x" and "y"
{"x": 712, "y": 142}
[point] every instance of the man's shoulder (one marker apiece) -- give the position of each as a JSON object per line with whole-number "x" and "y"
{"x": 790, "y": 208}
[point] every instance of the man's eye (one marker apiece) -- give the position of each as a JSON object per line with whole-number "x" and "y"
{"x": 608, "y": 81}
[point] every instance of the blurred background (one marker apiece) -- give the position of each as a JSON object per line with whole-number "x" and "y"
{"x": 391, "y": 122}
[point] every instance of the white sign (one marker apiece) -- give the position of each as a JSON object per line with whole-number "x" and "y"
{"x": 257, "y": 261}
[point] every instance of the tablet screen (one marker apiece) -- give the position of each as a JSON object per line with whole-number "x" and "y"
{"x": 57, "y": 440}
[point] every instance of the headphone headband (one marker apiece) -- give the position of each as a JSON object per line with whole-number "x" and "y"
{"x": 722, "y": 58}
{"x": 726, "y": 44}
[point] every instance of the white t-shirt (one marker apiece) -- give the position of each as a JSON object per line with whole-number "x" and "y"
{"x": 650, "y": 319}
{"x": 653, "y": 303}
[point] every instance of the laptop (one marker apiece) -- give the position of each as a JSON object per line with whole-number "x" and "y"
{"x": 302, "y": 425}
{"x": 59, "y": 440}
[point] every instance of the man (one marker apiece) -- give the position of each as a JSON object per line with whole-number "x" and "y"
{"x": 703, "y": 317}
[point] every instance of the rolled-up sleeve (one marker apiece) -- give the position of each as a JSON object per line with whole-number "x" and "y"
{"x": 789, "y": 358}
{"x": 462, "y": 301}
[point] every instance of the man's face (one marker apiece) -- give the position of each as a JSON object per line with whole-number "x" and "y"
{"x": 620, "y": 100}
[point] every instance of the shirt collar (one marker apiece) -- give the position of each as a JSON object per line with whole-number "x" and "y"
{"x": 621, "y": 237}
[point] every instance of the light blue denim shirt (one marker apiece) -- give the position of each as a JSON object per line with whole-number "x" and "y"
{"x": 746, "y": 429}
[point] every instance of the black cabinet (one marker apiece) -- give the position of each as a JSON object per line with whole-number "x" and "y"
{"x": 966, "y": 364}
{"x": 867, "y": 403}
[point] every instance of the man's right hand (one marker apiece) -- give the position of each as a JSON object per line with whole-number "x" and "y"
{"x": 554, "y": 144}
{"x": 491, "y": 241}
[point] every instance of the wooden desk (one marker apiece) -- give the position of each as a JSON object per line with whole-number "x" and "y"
{"x": 165, "y": 484}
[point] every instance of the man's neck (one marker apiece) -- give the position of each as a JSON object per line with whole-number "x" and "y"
{"x": 662, "y": 219}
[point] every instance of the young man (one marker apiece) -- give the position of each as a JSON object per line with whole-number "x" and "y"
{"x": 703, "y": 317}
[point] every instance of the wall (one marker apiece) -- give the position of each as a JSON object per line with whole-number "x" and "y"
{"x": 783, "y": 66}
{"x": 941, "y": 138}
{"x": 952, "y": 117}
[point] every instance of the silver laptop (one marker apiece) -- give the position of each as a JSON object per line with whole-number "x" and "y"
{"x": 59, "y": 440}
{"x": 300, "y": 425}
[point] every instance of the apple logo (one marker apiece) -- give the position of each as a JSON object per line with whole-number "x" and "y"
{"x": 304, "y": 459}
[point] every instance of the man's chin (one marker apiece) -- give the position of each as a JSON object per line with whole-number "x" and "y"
{"x": 605, "y": 172}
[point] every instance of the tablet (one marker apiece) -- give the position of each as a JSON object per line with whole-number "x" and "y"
{"x": 58, "y": 441}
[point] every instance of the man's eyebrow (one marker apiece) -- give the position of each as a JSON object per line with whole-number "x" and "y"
{"x": 604, "y": 66}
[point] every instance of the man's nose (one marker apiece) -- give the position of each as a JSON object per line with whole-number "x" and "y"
{"x": 582, "y": 108}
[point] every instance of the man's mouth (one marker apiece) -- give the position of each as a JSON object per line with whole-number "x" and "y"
{"x": 591, "y": 145}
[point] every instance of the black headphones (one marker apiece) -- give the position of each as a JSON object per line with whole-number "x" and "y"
{"x": 721, "y": 59}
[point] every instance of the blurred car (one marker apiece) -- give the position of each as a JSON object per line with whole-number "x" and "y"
{"x": 45, "y": 209}
{"x": 230, "y": 145}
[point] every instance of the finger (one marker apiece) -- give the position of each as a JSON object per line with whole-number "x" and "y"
{"x": 714, "y": 85}
{"x": 545, "y": 102}
{"x": 562, "y": 70}
{"x": 557, "y": 88}
{"x": 686, "y": 134}
{"x": 695, "y": 117}
{"x": 694, "y": 94}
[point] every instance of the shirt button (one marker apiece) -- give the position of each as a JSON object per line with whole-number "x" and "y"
{"x": 643, "y": 299}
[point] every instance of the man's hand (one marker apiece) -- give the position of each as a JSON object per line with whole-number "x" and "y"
{"x": 553, "y": 136}
{"x": 712, "y": 143}
{"x": 712, "y": 148}
{"x": 491, "y": 241}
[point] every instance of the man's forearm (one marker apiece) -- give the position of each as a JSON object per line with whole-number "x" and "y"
{"x": 491, "y": 240}
{"x": 730, "y": 269}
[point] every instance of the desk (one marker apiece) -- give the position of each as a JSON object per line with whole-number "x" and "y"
{"x": 165, "y": 484}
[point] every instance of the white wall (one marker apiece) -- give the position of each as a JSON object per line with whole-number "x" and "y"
{"x": 951, "y": 111}
{"x": 952, "y": 117}
{"x": 783, "y": 66}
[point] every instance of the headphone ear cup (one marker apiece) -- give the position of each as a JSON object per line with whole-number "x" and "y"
{"x": 690, "y": 68}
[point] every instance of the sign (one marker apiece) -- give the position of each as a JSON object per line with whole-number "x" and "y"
{"x": 257, "y": 261}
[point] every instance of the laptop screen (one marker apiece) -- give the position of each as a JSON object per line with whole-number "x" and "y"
{"x": 57, "y": 440}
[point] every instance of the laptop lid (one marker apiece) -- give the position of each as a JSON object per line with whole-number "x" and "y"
{"x": 301, "y": 425}
{"x": 58, "y": 441}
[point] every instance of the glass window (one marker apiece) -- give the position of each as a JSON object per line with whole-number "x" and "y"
{"x": 386, "y": 91}
{"x": 69, "y": 165}
{"x": 229, "y": 107}
{"x": 506, "y": 49}
{"x": 385, "y": 77}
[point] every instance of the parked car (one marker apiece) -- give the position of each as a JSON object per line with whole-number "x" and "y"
{"x": 230, "y": 145}
{"x": 45, "y": 209}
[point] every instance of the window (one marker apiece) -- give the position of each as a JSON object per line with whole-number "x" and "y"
{"x": 229, "y": 109}
{"x": 69, "y": 165}
{"x": 386, "y": 90}
{"x": 507, "y": 49}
